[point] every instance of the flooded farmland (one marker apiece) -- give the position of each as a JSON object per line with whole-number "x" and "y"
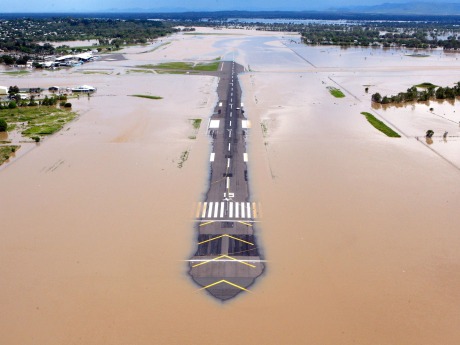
{"x": 360, "y": 231}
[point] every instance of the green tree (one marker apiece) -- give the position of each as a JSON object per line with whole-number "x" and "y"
{"x": 376, "y": 97}
{"x": 3, "y": 125}
{"x": 8, "y": 60}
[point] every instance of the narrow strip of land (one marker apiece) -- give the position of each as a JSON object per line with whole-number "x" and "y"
{"x": 226, "y": 217}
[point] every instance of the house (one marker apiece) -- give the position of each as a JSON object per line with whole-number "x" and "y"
{"x": 53, "y": 89}
{"x": 3, "y": 90}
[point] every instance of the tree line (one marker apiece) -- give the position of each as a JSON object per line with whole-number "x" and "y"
{"x": 412, "y": 94}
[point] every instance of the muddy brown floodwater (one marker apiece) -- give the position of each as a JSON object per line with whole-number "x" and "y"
{"x": 360, "y": 230}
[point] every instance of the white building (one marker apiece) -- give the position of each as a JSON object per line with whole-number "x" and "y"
{"x": 3, "y": 90}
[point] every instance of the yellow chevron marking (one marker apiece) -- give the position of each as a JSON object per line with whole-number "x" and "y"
{"x": 221, "y": 257}
{"x": 215, "y": 238}
{"x": 226, "y": 282}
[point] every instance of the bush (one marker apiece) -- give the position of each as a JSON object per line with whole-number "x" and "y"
{"x": 12, "y": 105}
{"x": 3, "y": 125}
{"x": 68, "y": 105}
{"x": 37, "y": 139}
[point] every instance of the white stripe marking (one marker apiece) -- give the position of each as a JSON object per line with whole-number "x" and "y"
{"x": 230, "y": 210}
{"x": 222, "y": 209}
{"x": 230, "y": 124}
{"x": 228, "y": 182}
{"x": 229, "y": 146}
{"x": 216, "y": 209}
{"x": 222, "y": 66}
{"x": 245, "y": 157}
{"x": 204, "y": 210}
{"x": 210, "y": 209}
{"x": 237, "y": 207}
{"x": 243, "y": 209}
{"x": 248, "y": 204}
{"x": 228, "y": 162}
{"x": 220, "y": 104}
{"x": 213, "y": 155}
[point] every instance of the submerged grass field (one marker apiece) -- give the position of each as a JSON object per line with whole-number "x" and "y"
{"x": 37, "y": 121}
{"x": 380, "y": 125}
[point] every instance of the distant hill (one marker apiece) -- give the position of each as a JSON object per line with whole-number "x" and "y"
{"x": 409, "y": 8}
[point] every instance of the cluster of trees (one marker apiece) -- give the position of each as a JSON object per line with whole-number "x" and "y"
{"x": 22, "y": 35}
{"x": 429, "y": 92}
{"x": 386, "y": 35}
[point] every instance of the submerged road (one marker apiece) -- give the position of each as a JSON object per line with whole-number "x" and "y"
{"x": 227, "y": 260}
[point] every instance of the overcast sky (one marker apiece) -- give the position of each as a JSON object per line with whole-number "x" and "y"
{"x": 182, "y": 5}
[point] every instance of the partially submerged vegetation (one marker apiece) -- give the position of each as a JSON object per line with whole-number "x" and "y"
{"x": 183, "y": 66}
{"x": 429, "y": 92}
{"x": 147, "y": 96}
{"x": 139, "y": 71}
{"x": 183, "y": 159}
{"x": 20, "y": 72}
{"x": 337, "y": 93}
{"x": 36, "y": 122}
{"x": 380, "y": 125}
{"x": 196, "y": 123}
{"x": 7, "y": 151}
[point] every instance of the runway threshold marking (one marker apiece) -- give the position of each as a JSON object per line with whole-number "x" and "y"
{"x": 224, "y": 256}
{"x": 205, "y": 205}
{"x": 225, "y": 235}
{"x": 226, "y": 282}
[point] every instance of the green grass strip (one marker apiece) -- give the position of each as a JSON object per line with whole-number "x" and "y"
{"x": 21, "y": 72}
{"x": 380, "y": 125}
{"x": 147, "y": 96}
{"x": 206, "y": 66}
{"x": 336, "y": 92}
{"x": 425, "y": 85}
{"x": 183, "y": 66}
